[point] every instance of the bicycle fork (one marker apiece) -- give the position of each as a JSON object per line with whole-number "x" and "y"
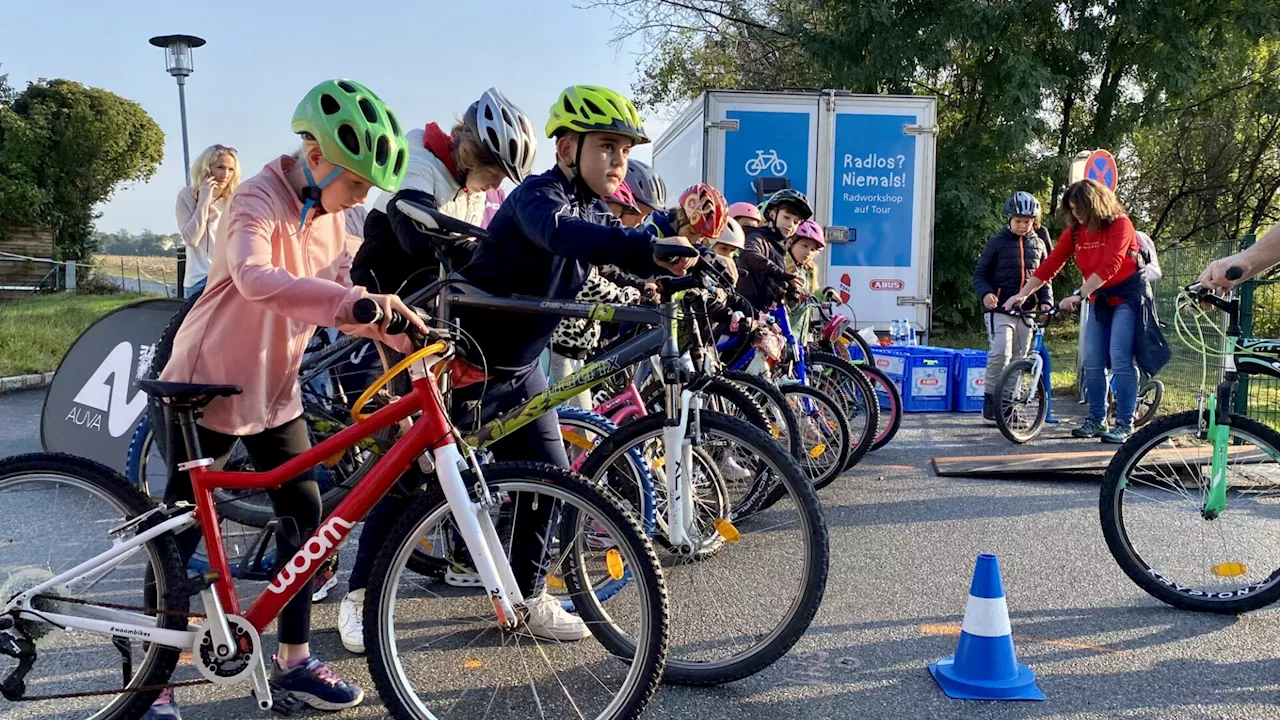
{"x": 677, "y": 448}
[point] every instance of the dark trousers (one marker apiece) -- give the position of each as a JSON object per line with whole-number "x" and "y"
{"x": 297, "y": 502}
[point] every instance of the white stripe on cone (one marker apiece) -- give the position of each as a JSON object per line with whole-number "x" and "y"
{"x": 986, "y": 617}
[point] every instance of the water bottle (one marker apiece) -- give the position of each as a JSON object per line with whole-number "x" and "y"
{"x": 911, "y": 334}
{"x": 895, "y": 331}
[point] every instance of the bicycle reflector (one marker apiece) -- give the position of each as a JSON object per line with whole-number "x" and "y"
{"x": 613, "y": 561}
{"x": 727, "y": 530}
{"x": 1230, "y": 569}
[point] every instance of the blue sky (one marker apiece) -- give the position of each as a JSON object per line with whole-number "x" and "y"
{"x": 429, "y": 60}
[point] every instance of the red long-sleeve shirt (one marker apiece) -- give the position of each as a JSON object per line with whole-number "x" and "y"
{"x": 1110, "y": 253}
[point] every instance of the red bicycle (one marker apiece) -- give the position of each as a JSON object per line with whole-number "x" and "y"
{"x": 80, "y": 620}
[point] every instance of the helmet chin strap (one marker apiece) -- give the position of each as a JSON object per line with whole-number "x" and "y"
{"x": 311, "y": 193}
{"x": 580, "y": 187}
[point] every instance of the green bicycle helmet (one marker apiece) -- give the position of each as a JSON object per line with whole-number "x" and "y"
{"x": 590, "y": 108}
{"x": 356, "y": 131}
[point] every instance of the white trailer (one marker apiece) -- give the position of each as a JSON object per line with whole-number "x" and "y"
{"x": 867, "y": 163}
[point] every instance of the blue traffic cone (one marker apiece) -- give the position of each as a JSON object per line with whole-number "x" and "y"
{"x": 984, "y": 666}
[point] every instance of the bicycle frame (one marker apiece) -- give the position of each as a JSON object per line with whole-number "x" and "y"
{"x": 430, "y": 433}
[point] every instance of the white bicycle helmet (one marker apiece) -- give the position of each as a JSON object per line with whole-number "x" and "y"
{"x": 646, "y": 185}
{"x": 733, "y": 235}
{"x": 505, "y": 132}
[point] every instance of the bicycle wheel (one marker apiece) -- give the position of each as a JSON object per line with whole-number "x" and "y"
{"x": 890, "y": 405}
{"x": 1152, "y": 506}
{"x": 843, "y": 381}
{"x": 725, "y": 623}
{"x": 783, "y": 425}
{"x": 1022, "y": 403}
{"x": 825, "y": 438}
{"x": 436, "y": 654}
{"x": 1150, "y": 396}
{"x": 55, "y": 511}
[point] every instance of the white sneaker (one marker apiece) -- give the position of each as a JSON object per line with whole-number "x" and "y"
{"x": 731, "y": 471}
{"x": 544, "y": 618}
{"x": 459, "y": 576}
{"x": 351, "y": 621}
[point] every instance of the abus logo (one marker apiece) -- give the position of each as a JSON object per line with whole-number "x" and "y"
{"x": 929, "y": 381}
{"x": 980, "y": 381}
{"x": 329, "y": 535}
{"x": 886, "y": 284}
{"x": 112, "y": 398}
{"x": 882, "y": 362}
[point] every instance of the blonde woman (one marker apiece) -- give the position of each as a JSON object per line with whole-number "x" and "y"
{"x": 215, "y": 175}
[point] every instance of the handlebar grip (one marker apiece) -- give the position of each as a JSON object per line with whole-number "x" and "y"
{"x": 1235, "y": 273}
{"x": 668, "y": 251}
{"x": 366, "y": 311}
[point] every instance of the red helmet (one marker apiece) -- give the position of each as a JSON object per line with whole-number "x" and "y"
{"x": 812, "y": 231}
{"x": 623, "y": 197}
{"x": 706, "y": 210}
{"x": 745, "y": 209}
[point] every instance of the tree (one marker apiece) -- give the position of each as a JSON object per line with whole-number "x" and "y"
{"x": 64, "y": 148}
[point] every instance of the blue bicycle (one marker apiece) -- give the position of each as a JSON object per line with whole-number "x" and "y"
{"x": 825, "y": 439}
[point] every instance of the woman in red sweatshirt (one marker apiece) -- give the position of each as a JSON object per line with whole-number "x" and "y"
{"x": 1100, "y": 237}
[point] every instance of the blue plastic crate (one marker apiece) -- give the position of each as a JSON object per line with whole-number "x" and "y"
{"x": 890, "y": 360}
{"x": 967, "y": 380}
{"x": 926, "y": 379}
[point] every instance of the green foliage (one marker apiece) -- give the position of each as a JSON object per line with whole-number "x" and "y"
{"x": 144, "y": 244}
{"x": 1185, "y": 92}
{"x": 65, "y": 148}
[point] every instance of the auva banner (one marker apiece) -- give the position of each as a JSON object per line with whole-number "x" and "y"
{"x": 92, "y": 407}
{"x": 766, "y": 144}
{"x": 874, "y": 190}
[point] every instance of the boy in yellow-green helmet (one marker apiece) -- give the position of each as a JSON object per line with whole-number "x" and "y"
{"x": 542, "y": 243}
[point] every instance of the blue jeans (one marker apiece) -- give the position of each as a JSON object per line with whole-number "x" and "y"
{"x": 197, "y": 288}
{"x": 1116, "y": 346}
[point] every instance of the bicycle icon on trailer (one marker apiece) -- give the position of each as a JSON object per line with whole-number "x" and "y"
{"x": 766, "y": 161}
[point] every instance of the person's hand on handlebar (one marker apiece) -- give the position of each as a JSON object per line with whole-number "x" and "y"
{"x": 1046, "y": 307}
{"x": 390, "y": 304}
{"x": 676, "y": 265}
{"x": 1215, "y": 276}
{"x": 1014, "y": 303}
{"x": 1070, "y": 303}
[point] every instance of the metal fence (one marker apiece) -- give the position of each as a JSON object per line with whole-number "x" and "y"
{"x": 1259, "y": 397}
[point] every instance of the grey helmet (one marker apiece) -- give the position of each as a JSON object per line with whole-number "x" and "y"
{"x": 505, "y": 133}
{"x": 1022, "y": 204}
{"x": 646, "y": 185}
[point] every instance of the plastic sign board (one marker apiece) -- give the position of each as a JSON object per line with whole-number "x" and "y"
{"x": 765, "y": 145}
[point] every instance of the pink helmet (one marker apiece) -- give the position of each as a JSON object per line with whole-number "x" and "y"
{"x": 746, "y": 210}
{"x": 624, "y": 197}
{"x": 812, "y": 231}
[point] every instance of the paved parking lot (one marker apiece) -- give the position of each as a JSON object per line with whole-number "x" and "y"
{"x": 903, "y": 546}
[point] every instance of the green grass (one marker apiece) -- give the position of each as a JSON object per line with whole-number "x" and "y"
{"x": 36, "y": 332}
{"x": 1062, "y": 339}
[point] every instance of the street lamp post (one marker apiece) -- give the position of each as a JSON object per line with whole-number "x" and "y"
{"x": 177, "y": 55}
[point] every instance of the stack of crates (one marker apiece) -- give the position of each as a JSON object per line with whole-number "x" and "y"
{"x": 923, "y": 374}
{"x": 968, "y": 375}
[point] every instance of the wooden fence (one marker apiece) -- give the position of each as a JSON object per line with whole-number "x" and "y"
{"x": 20, "y": 277}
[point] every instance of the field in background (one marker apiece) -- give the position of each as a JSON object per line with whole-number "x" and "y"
{"x": 36, "y": 332}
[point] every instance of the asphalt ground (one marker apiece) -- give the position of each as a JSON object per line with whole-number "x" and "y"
{"x": 903, "y": 543}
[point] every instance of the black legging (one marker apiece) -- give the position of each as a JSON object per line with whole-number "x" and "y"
{"x": 297, "y": 500}
{"x": 539, "y": 440}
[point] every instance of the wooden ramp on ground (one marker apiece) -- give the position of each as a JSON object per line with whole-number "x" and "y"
{"x": 1078, "y": 461}
{"x": 1050, "y": 463}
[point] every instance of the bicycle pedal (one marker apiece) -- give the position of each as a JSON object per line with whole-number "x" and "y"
{"x": 284, "y": 702}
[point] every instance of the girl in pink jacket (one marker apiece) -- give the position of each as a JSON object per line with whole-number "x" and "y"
{"x": 280, "y": 269}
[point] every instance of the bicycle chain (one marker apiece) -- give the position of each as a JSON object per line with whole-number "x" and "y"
{"x": 116, "y": 691}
